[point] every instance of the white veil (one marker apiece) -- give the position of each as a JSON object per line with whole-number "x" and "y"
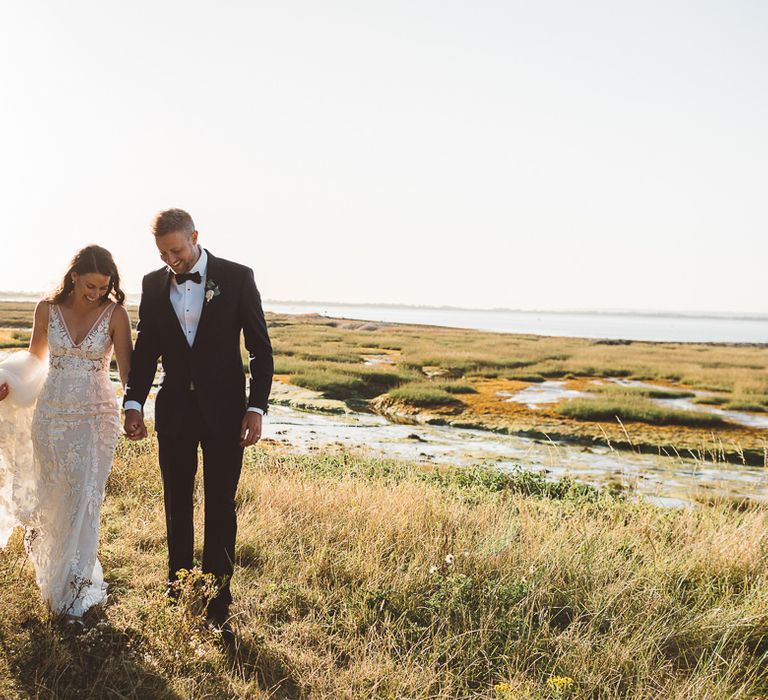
{"x": 25, "y": 375}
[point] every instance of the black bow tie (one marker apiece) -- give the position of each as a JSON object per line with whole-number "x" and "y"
{"x": 188, "y": 277}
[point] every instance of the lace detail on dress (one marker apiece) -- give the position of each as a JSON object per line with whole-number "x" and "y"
{"x": 74, "y": 431}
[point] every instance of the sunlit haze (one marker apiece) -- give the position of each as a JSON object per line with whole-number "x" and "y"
{"x": 528, "y": 155}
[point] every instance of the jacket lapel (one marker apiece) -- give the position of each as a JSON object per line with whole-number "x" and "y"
{"x": 211, "y": 277}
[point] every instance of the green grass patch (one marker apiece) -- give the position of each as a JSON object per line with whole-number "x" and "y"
{"x": 746, "y": 405}
{"x": 456, "y": 387}
{"x": 635, "y": 409}
{"x": 287, "y": 364}
{"x": 533, "y": 378}
{"x": 339, "y": 381}
{"x": 348, "y": 358}
{"x": 423, "y": 395}
{"x": 333, "y": 385}
{"x": 647, "y": 392}
{"x": 475, "y": 479}
{"x": 712, "y": 400}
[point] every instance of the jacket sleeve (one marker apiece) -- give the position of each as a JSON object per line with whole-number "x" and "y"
{"x": 145, "y": 354}
{"x": 260, "y": 362}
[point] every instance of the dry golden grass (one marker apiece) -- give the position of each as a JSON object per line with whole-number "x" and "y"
{"x": 368, "y": 578}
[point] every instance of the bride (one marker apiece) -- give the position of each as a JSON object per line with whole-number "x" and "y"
{"x": 58, "y": 431}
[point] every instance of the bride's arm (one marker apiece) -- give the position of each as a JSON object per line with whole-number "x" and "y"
{"x": 121, "y": 339}
{"x": 38, "y": 345}
{"x": 22, "y": 373}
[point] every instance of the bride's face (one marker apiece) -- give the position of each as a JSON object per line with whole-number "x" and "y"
{"x": 90, "y": 287}
{"x": 178, "y": 250}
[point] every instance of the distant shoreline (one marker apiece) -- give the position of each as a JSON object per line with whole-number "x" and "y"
{"x": 642, "y": 313}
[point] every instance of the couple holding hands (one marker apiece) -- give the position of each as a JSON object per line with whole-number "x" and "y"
{"x": 59, "y": 420}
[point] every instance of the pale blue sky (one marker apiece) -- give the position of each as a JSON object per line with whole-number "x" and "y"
{"x": 488, "y": 154}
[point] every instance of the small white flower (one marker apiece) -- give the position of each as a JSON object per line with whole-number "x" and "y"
{"x": 209, "y": 295}
{"x": 449, "y": 559}
{"x": 433, "y": 569}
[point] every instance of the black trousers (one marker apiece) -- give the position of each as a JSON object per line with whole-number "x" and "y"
{"x": 222, "y": 462}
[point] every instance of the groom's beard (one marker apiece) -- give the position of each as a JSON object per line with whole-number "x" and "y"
{"x": 185, "y": 265}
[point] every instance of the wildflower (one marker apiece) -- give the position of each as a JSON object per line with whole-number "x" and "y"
{"x": 433, "y": 569}
{"x": 561, "y": 685}
{"x": 449, "y": 559}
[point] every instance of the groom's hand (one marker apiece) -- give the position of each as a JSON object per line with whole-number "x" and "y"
{"x": 134, "y": 425}
{"x": 250, "y": 429}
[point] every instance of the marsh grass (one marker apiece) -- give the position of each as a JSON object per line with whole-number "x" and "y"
{"x": 710, "y": 399}
{"x": 16, "y": 314}
{"x": 456, "y": 387}
{"x": 748, "y": 402}
{"x": 646, "y": 392}
{"x": 731, "y": 369}
{"x": 337, "y": 381}
{"x": 10, "y": 338}
{"x": 334, "y": 385}
{"x": 360, "y": 577}
{"x": 634, "y": 409}
{"x": 311, "y": 342}
{"x": 424, "y": 395}
{"x": 431, "y": 393}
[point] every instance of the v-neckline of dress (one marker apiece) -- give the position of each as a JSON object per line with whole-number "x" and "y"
{"x": 90, "y": 330}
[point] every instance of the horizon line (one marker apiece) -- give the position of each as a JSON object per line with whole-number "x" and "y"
{"x": 736, "y": 315}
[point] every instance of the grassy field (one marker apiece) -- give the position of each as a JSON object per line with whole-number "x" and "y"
{"x": 368, "y": 578}
{"x": 455, "y": 376}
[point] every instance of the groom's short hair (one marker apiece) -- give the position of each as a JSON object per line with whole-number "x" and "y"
{"x": 172, "y": 221}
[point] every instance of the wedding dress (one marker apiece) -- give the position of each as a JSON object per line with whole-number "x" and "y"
{"x": 55, "y": 460}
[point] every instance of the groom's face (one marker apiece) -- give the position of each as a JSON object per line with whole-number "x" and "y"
{"x": 178, "y": 250}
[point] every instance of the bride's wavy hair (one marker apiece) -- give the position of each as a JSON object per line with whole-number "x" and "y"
{"x": 92, "y": 258}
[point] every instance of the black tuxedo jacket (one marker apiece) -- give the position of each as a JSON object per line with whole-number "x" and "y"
{"x": 214, "y": 363}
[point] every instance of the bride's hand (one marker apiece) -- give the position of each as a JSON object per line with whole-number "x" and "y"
{"x": 134, "y": 425}
{"x": 3, "y": 391}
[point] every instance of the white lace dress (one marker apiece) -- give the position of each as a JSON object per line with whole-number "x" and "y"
{"x": 74, "y": 430}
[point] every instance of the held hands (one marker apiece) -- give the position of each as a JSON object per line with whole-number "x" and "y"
{"x": 134, "y": 425}
{"x": 250, "y": 429}
{"x": 3, "y": 391}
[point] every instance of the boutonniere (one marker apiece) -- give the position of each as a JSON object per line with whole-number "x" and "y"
{"x": 211, "y": 290}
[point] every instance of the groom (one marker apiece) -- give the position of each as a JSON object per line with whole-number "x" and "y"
{"x": 191, "y": 314}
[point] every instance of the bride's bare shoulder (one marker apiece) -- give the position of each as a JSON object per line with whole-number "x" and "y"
{"x": 119, "y": 314}
{"x": 42, "y": 311}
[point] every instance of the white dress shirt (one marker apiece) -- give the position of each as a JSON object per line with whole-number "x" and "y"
{"x": 187, "y": 298}
{"x": 187, "y": 301}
